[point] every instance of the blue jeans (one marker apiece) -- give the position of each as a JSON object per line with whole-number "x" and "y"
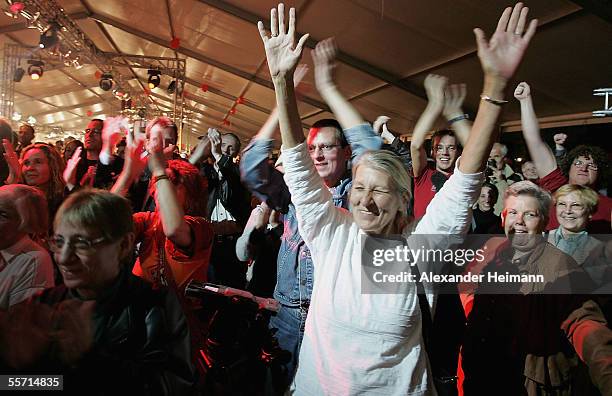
{"x": 290, "y": 323}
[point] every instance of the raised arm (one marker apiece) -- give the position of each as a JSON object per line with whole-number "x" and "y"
{"x": 499, "y": 57}
{"x": 542, "y": 156}
{"x": 324, "y": 56}
{"x": 282, "y": 60}
{"x": 434, "y": 86}
{"x": 170, "y": 209}
{"x": 13, "y": 163}
{"x": 454, "y": 96}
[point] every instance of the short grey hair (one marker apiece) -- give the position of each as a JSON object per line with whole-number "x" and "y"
{"x": 528, "y": 188}
{"x": 502, "y": 147}
{"x": 30, "y": 204}
{"x": 388, "y": 163}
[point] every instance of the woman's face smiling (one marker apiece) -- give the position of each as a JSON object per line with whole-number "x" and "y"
{"x": 375, "y": 203}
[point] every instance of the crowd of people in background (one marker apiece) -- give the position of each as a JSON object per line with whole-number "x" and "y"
{"x": 102, "y": 237}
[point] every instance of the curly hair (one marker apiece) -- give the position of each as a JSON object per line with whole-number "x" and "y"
{"x": 196, "y": 186}
{"x": 55, "y": 187}
{"x": 598, "y": 155}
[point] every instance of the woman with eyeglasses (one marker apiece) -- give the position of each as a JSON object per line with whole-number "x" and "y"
{"x": 574, "y": 206}
{"x": 105, "y": 330}
{"x": 40, "y": 165}
{"x": 584, "y": 165}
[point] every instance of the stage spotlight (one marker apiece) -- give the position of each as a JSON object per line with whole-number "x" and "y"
{"x": 49, "y": 37}
{"x": 154, "y": 78}
{"x": 106, "y": 82}
{"x": 35, "y": 70}
{"x": 172, "y": 87}
{"x": 19, "y": 72}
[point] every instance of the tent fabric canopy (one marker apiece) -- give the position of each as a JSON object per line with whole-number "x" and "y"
{"x": 387, "y": 48}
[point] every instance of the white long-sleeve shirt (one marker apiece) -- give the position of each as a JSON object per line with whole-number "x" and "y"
{"x": 357, "y": 343}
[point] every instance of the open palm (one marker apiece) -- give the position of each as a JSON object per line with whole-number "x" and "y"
{"x": 280, "y": 52}
{"x": 502, "y": 54}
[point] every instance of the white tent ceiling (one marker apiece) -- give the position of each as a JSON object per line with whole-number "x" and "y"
{"x": 387, "y": 49}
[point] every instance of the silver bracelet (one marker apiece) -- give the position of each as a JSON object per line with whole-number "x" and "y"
{"x": 458, "y": 118}
{"x": 493, "y": 101}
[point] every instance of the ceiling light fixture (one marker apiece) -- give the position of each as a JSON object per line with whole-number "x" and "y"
{"x": 154, "y": 78}
{"x": 18, "y": 75}
{"x": 36, "y": 69}
{"x": 106, "y": 82}
{"x": 49, "y": 37}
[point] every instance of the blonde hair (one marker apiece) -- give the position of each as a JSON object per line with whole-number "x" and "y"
{"x": 390, "y": 164}
{"x": 588, "y": 196}
{"x": 528, "y": 188}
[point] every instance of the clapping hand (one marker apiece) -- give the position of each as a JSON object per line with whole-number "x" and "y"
{"x": 454, "y": 96}
{"x": 435, "y": 86}
{"x": 70, "y": 172}
{"x": 501, "y": 55}
{"x": 281, "y": 52}
{"x": 12, "y": 161}
{"x": 324, "y": 56}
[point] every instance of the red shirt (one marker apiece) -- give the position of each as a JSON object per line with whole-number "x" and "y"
{"x": 599, "y": 223}
{"x": 186, "y": 264}
{"x": 424, "y": 190}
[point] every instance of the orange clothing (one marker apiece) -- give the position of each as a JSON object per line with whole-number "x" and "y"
{"x": 186, "y": 264}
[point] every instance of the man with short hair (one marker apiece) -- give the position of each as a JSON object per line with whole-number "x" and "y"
{"x": 445, "y": 149}
{"x": 500, "y": 173}
{"x": 25, "y": 135}
{"x": 228, "y": 204}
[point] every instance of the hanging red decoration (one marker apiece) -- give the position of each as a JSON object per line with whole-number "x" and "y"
{"x": 98, "y": 74}
{"x": 226, "y": 122}
{"x": 204, "y": 87}
{"x": 240, "y": 100}
{"x": 89, "y": 113}
{"x": 232, "y": 110}
{"x": 16, "y": 7}
{"x": 175, "y": 43}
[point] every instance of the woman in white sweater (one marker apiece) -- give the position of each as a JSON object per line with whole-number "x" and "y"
{"x": 371, "y": 343}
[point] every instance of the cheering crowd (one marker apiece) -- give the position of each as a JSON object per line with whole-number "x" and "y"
{"x": 101, "y": 238}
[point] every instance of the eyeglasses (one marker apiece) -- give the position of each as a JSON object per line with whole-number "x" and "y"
{"x": 79, "y": 244}
{"x": 96, "y": 131}
{"x": 326, "y": 148}
{"x": 590, "y": 165}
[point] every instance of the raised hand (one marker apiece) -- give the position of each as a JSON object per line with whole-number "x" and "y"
{"x": 114, "y": 129}
{"x": 434, "y": 87}
{"x": 12, "y": 161}
{"x": 70, "y": 172}
{"x": 281, "y": 52}
{"x": 522, "y": 91}
{"x": 135, "y": 161}
{"x": 501, "y": 55}
{"x": 215, "y": 143}
{"x": 560, "y": 138}
{"x": 454, "y": 96}
{"x": 155, "y": 147}
{"x": 324, "y": 56}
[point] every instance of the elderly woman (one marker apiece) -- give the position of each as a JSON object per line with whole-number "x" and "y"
{"x": 575, "y": 206}
{"x": 40, "y": 165}
{"x": 356, "y": 342}
{"x": 25, "y": 267}
{"x": 103, "y": 323}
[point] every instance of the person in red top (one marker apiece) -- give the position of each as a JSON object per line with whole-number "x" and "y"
{"x": 445, "y": 148}
{"x": 584, "y": 165}
{"x": 176, "y": 239}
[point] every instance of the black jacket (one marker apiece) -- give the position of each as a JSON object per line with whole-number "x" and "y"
{"x": 141, "y": 343}
{"x": 228, "y": 188}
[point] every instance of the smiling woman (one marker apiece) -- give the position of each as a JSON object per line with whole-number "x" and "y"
{"x": 103, "y": 322}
